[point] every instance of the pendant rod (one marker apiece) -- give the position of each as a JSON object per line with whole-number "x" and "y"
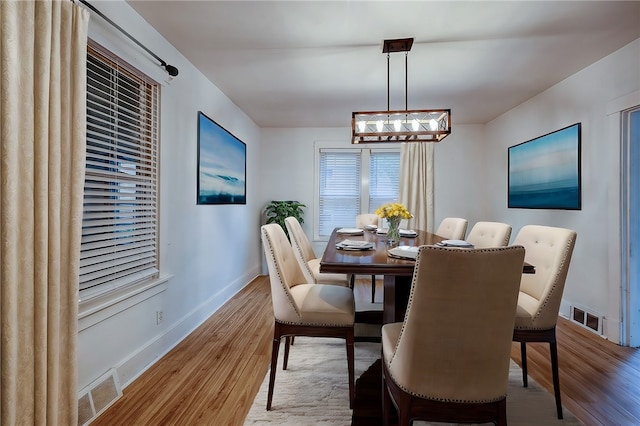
{"x": 406, "y": 81}
{"x": 388, "y": 56}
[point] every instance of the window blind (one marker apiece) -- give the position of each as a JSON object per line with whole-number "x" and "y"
{"x": 339, "y": 192}
{"x": 384, "y": 178}
{"x": 120, "y": 223}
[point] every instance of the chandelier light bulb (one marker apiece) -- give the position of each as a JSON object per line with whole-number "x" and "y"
{"x": 397, "y": 125}
{"x": 362, "y": 125}
{"x": 379, "y": 125}
{"x": 415, "y": 124}
{"x": 433, "y": 124}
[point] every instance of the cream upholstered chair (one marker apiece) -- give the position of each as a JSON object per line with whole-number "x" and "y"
{"x": 549, "y": 250}
{"x": 452, "y": 228}
{"x": 449, "y": 360}
{"x": 363, "y": 220}
{"x": 301, "y": 308}
{"x": 307, "y": 259}
{"x": 489, "y": 234}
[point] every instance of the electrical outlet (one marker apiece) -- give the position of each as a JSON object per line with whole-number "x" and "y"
{"x": 159, "y": 317}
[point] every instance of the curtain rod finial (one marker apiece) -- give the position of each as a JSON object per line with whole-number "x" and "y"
{"x": 173, "y": 71}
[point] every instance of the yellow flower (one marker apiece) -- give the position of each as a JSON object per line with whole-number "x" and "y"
{"x": 393, "y": 210}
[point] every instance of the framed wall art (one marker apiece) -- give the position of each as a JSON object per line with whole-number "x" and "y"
{"x": 544, "y": 173}
{"x": 222, "y": 165}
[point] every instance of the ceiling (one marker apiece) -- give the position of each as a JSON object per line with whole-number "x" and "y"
{"x": 311, "y": 63}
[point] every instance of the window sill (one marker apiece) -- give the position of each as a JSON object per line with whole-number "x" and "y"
{"x": 99, "y": 308}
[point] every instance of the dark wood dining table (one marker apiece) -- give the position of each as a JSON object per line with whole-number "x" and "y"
{"x": 397, "y": 272}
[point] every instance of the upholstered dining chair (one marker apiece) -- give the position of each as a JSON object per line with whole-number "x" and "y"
{"x": 301, "y": 308}
{"x": 452, "y": 228}
{"x": 549, "y": 249}
{"x": 363, "y": 220}
{"x": 307, "y": 258}
{"x": 442, "y": 363}
{"x": 489, "y": 234}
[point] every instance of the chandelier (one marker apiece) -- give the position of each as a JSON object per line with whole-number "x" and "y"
{"x": 415, "y": 125}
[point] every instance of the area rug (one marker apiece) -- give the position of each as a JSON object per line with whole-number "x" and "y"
{"x": 314, "y": 390}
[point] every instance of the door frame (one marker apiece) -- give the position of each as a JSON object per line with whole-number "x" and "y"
{"x": 623, "y": 280}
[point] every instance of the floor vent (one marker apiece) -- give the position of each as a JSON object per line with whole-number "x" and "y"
{"x": 587, "y": 319}
{"x": 98, "y": 396}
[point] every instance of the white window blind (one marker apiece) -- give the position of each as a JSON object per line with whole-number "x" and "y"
{"x": 384, "y": 178}
{"x": 354, "y": 181}
{"x": 339, "y": 192}
{"x": 119, "y": 225}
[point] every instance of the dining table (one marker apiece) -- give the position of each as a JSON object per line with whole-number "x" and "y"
{"x": 397, "y": 272}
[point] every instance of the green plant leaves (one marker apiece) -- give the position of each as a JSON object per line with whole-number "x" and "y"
{"x": 278, "y": 211}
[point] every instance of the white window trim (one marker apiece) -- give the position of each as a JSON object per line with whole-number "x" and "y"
{"x": 94, "y": 310}
{"x": 108, "y": 294}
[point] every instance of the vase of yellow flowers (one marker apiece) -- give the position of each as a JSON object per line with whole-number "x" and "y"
{"x": 394, "y": 213}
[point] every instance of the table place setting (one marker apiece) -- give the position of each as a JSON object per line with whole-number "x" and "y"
{"x": 455, "y": 243}
{"x": 354, "y": 245}
{"x": 409, "y": 233}
{"x": 404, "y": 252}
{"x": 350, "y": 231}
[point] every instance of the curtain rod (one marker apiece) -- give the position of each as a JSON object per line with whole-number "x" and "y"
{"x": 173, "y": 71}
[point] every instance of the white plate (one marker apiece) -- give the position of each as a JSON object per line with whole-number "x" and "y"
{"x": 455, "y": 243}
{"x": 350, "y": 231}
{"x": 406, "y": 252}
{"x": 354, "y": 245}
{"x": 408, "y": 233}
{"x": 371, "y": 227}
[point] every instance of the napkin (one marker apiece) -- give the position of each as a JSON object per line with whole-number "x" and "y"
{"x": 350, "y": 231}
{"x": 354, "y": 245}
{"x": 455, "y": 243}
{"x": 407, "y": 252}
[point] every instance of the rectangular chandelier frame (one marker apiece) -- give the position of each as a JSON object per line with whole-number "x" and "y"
{"x": 417, "y": 125}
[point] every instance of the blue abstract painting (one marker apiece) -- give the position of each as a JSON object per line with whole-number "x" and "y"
{"x": 222, "y": 162}
{"x": 544, "y": 173}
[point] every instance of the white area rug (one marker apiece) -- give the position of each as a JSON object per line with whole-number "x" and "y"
{"x": 314, "y": 390}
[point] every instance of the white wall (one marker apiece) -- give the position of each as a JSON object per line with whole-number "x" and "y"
{"x": 594, "y": 275}
{"x": 208, "y": 253}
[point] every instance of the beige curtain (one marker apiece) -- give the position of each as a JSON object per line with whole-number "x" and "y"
{"x": 42, "y": 136}
{"x": 416, "y": 183}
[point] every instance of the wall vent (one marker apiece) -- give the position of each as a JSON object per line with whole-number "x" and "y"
{"x": 587, "y": 318}
{"x": 98, "y": 396}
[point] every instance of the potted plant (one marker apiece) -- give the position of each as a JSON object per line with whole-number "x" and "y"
{"x": 278, "y": 211}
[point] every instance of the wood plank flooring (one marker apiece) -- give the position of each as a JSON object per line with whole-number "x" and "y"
{"x": 211, "y": 377}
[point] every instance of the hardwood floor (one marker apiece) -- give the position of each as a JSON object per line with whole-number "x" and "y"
{"x": 211, "y": 377}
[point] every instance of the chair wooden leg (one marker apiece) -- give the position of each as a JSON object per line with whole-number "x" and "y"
{"x": 386, "y": 401}
{"x": 523, "y": 356}
{"x": 404, "y": 409}
{"x": 553, "y": 350}
{"x": 373, "y": 288}
{"x": 352, "y": 281}
{"x": 288, "y": 341}
{"x": 274, "y": 363}
{"x": 350, "y": 366}
{"x": 502, "y": 413}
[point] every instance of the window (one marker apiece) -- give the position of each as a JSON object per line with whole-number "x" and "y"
{"x": 354, "y": 181}
{"x": 120, "y": 219}
{"x": 384, "y": 178}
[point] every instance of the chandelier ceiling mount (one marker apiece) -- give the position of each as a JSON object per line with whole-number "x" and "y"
{"x": 424, "y": 125}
